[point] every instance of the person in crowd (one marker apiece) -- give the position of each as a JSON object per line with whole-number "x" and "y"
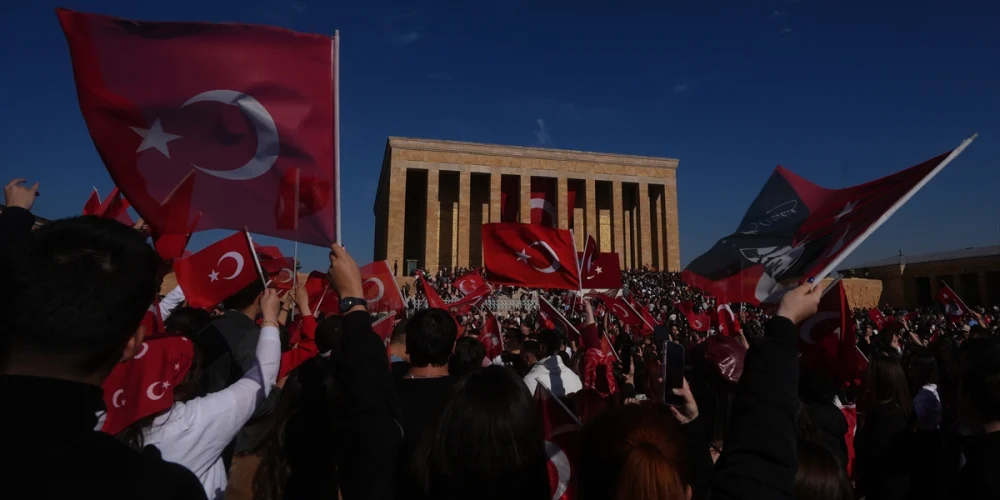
{"x": 487, "y": 443}
{"x": 187, "y": 321}
{"x": 880, "y": 441}
{"x": 819, "y": 474}
{"x": 72, "y": 297}
{"x": 399, "y": 360}
{"x": 550, "y": 370}
{"x": 469, "y": 356}
{"x": 923, "y": 381}
{"x": 980, "y": 411}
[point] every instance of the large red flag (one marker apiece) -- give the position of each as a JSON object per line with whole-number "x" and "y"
{"x": 530, "y": 256}
{"x": 93, "y": 203}
{"x": 623, "y": 311}
{"x": 241, "y": 104}
{"x": 434, "y": 300}
{"x": 648, "y": 322}
{"x": 725, "y": 319}
{"x": 380, "y": 289}
{"x": 562, "y": 443}
{"x": 604, "y": 272}
{"x": 553, "y": 319}
{"x": 699, "y": 322}
{"x": 796, "y": 229}
{"x": 543, "y": 202}
{"x": 322, "y": 297}
{"x": 470, "y": 283}
{"x": 174, "y": 222}
{"x": 217, "y": 271}
{"x": 490, "y": 336}
{"x": 826, "y": 340}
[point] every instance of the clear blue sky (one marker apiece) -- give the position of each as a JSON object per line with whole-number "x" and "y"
{"x": 840, "y": 92}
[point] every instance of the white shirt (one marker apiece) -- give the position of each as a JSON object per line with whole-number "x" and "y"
{"x": 554, "y": 376}
{"x": 170, "y": 301}
{"x": 194, "y": 433}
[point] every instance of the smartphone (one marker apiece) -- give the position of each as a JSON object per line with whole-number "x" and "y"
{"x": 672, "y": 372}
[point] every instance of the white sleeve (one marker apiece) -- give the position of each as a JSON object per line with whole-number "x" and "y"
{"x": 531, "y": 381}
{"x": 172, "y": 300}
{"x": 221, "y": 415}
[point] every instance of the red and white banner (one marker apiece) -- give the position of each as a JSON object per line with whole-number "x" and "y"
{"x": 530, "y": 256}
{"x": 217, "y": 272}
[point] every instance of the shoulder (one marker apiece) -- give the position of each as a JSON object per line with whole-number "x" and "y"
{"x": 146, "y": 469}
{"x": 178, "y": 480}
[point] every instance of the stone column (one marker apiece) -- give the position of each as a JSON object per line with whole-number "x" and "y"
{"x": 562, "y": 202}
{"x": 618, "y": 221}
{"x": 464, "y": 212}
{"x": 645, "y": 226}
{"x": 661, "y": 240}
{"x": 433, "y": 221}
{"x": 673, "y": 245}
{"x": 590, "y": 209}
{"x": 525, "y": 198}
{"x": 397, "y": 218}
{"x": 494, "y": 215}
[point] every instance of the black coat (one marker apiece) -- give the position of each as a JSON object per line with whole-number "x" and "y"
{"x": 54, "y": 452}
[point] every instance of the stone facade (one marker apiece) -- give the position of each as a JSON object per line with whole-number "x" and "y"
{"x": 427, "y": 189}
{"x": 905, "y": 285}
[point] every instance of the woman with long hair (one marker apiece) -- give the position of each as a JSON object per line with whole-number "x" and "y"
{"x": 887, "y": 406}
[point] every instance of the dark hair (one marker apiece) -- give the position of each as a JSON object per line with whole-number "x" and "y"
{"x": 531, "y": 347}
{"x": 187, "y": 321}
{"x": 514, "y": 339}
{"x": 634, "y": 452}
{"x": 77, "y": 293}
{"x": 468, "y": 357}
{"x": 430, "y": 337}
{"x": 820, "y": 476}
{"x": 548, "y": 343}
{"x": 328, "y": 333}
{"x": 298, "y": 452}
{"x": 887, "y": 383}
{"x": 245, "y": 297}
{"x": 399, "y": 333}
{"x": 922, "y": 369}
{"x": 487, "y": 444}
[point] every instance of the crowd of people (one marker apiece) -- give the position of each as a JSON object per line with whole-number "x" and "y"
{"x": 264, "y": 400}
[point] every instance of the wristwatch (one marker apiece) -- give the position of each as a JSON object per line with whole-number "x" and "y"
{"x": 347, "y": 303}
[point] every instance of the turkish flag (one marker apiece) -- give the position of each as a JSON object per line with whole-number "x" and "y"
{"x": 953, "y": 304}
{"x": 174, "y": 221}
{"x": 699, "y": 322}
{"x": 530, "y": 256}
{"x": 383, "y": 327}
{"x": 562, "y": 443}
{"x": 490, "y": 336}
{"x": 240, "y": 104}
{"x": 281, "y": 272}
{"x": 588, "y": 255}
{"x": 648, "y": 322}
{"x": 826, "y": 340}
{"x": 470, "y": 283}
{"x": 728, "y": 325}
{"x": 623, "y": 311}
{"x": 603, "y": 273}
{"x": 463, "y": 306}
{"x": 93, "y": 203}
{"x": 877, "y": 317}
{"x": 380, "y": 289}
{"x": 554, "y": 320}
{"x": 217, "y": 272}
{"x": 322, "y": 297}
{"x": 796, "y": 229}
{"x": 543, "y": 202}
{"x": 434, "y": 300}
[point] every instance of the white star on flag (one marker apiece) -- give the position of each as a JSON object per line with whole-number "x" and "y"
{"x": 214, "y": 275}
{"x": 166, "y": 385}
{"x": 155, "y": 137}
{"x": 599, "y": 270}
{"x": 847, "y": 209}
{"x": 523, "y": 255}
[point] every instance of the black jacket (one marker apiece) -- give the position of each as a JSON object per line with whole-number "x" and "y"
{"x": 54, "y": 452}
{"x": 759, "y": 458}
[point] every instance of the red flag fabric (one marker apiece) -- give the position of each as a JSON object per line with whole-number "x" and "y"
{"x": 604, "y": 272}
{"x": 174, "y": 223}
{"x": 530, "y": 256}
{"x": 470, "y": 283}
{"x": 162, "y": 97}
{"x": 728, "y": 325}
{"x": 383, "y": 327}
{"x": 588, "y": 256}
{"x": 322, "y": 297}
{"x": 216, "y": 272}
{"x": 463, "y": 306}
{"x": 380, "y": 289}
{"x": 562, "y": 443}
{"x": 826, "y": 340}
{"x": 953, "y": 304}
{"x": 794, "y": 229}
{"x": 554, "y": 319}
{"x": 850, "y": 413}
{"x": 281, "y": 272}
{"x": 144, "y": 385}
{"x": 153, "y": 320}
{"x": 490, "y": 335}
{"x": 623, "y": 311}
{"x": 648, "y": 322}
{"x": 93, "y": 203}
{"x": 699, "y": 322}
{"x": 877, "y": 317}
{"x": 543, "y": 202}
{"x": 434, "y": 300}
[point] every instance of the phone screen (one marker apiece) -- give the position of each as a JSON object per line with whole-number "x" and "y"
{"x": 672, "y": 370}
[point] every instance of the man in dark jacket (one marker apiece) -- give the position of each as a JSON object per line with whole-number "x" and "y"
{"x": 981, "y": 411}
{"x": 72, "y": 296}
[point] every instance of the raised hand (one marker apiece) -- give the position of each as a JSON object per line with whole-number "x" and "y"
{"x": 16, "y": 194}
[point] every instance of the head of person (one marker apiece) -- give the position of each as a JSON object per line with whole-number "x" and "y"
{"x": 530, "y": 352}
{"x": 887, "y": 383}
{"x": 72, "y": 304}
{"x": 430, "y": 337}
{"x": 488, "y": 439}
{"x": 634, "y": 452}
{"x": 247, "y": 300}
{"x": 187, "y": 321}
{"x": 468, "y": 357}
{"x": 548, "y": 343}
{"x": 820, "y": 476}
{"x": 515, "y": 339}
{"x": 301, "y": 432}
{"x": 525, "y": 330}
{"x": 922, "y": 369}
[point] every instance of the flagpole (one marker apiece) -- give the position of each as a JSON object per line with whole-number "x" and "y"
{"x": 321, "y": 297}
{"x": 256, "y": 261}
{"x": 336, "y": 126}
{"x": 889, "y": 213}
{"x": 295, "y": 262}
{"x": 965, "y": 308}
